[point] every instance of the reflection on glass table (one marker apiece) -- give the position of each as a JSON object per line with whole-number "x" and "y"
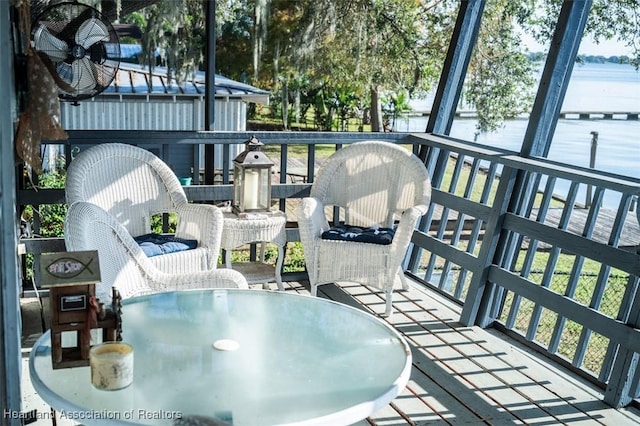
{"x": 243, "y": 357}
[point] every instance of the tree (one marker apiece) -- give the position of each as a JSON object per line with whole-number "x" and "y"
{"x": 500, "y": 77}
{"x": 320, "y": 50}
{"x": 176, "y": 29}
{"x": 608, "y": 20}
{"x": 364, "y": 46}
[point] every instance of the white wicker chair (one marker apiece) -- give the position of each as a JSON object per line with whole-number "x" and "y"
{"x": 132, "y": 185}
{"x": 124, "y": 265}
{"x": 373, "y": 183}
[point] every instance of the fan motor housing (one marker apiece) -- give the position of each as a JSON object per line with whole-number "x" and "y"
{"x": 78, "y": 52}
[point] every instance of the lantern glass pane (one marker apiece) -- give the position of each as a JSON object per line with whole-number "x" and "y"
{"x": 237, "y": 187}
{"x": 251, "y": 189}
{"x": 265, "y": 188}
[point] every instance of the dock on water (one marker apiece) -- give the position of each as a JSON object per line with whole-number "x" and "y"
{"x": 567, "y": 115}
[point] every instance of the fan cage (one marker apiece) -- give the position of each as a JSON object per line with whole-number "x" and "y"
{"x": 62, "y": 20}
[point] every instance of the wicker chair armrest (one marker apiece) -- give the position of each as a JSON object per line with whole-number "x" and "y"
{"x": 312, "y": 221}
{"x": 201, "y": 222}
{"x": 404, "y": 230}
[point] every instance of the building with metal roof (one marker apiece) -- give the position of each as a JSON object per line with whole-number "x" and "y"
{"x": 156, "y": 102}
{"x": 138, "y": 99}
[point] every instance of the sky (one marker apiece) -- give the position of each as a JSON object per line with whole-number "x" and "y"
{"x": 587, "y": 47}
{"x": 604, "y": 48}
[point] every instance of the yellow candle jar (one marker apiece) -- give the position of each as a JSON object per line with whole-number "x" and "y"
{"x": 111, "y": 365}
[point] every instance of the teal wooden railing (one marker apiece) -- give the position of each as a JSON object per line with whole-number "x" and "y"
{"x": 543, "y": 251}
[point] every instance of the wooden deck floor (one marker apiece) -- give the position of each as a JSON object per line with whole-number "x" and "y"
{"x": 461, "y": 375}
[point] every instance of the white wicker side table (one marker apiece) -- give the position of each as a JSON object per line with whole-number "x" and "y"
{"x": 237, "y": 232}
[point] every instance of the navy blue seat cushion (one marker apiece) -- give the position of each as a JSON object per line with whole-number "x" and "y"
{"x": 157, "y": 244}
{"x": 372, "y": 235}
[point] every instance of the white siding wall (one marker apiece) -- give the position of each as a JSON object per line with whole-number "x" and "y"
{"x": 154, "y": 114}
{"x": 157, "y": 113}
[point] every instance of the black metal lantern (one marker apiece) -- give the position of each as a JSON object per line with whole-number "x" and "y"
{"x": 252, "y": 179}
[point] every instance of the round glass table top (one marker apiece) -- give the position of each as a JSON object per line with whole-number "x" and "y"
{"x": 242, "y": 357}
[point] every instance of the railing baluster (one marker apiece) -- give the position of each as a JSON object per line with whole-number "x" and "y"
{"x": 547, "y": 277}
{"x": 587, "y": 232}
{"x": 284, "y": 157}
{"x": 460, "y": 222}
{"x": 603, "y": 277}
{"x": 444, "y": 221}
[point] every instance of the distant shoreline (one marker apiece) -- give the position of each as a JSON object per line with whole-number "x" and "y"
{"x": 589, "y": 59}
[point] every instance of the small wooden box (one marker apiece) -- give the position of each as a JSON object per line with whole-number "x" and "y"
{"x": 71, "y": 278}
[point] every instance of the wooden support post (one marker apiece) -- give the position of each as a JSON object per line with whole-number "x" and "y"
{"x": 463, "y": 40}
{"x": 623, "y": 386}
{"x": 537, "y": 141}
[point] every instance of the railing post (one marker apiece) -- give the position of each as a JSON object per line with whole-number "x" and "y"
{"x": 592, "y": 165}
{"x": 210, "y": 85}
{"x": 624, "y": 381}
{"x": 10, "y": 327}
{"x": 623, "y": 385}
{"x": 480, "y": 294}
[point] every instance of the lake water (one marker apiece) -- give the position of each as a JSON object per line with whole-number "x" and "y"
{"x": 593, "y": 87}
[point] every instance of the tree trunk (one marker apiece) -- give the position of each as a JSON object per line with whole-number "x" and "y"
{"x": 259, "y": 34}
{"x": 296, "y": 105}
{"x": 285, "y": 104}
{"x": 376, "y": 110}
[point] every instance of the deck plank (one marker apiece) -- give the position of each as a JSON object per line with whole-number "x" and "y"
{"x": 483, "y": 377}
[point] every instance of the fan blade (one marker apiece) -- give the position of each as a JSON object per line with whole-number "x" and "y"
{"x": 49, "y": 44}
{"x": 65, "y": 72}
{"x": 84, "y": 76}
{"x": 70, "y": 11}
{"x": 90, "y": 32}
